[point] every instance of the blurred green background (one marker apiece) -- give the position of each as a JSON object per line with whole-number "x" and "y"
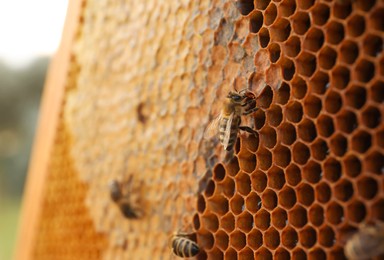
{"x": 20, "y": 93}
{"x": 30, "y": 33}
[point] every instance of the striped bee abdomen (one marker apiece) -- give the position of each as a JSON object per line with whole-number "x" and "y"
{"x": 184, "y": 247}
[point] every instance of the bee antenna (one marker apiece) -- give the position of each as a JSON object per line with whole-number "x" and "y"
{"x": 234, "y": 85}
{"x": 230, "y": 93}
{"x": 250, "y": 82}
{"x": 243, "y": 90}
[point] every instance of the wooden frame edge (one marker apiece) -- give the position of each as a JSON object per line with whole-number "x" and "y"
{"x": 50, "y": 109}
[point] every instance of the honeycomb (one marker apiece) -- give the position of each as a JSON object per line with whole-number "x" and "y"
{"x": 66, "y": 229}
{"x": 145, "y": 80}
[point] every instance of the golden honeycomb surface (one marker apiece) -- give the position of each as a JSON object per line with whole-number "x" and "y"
{"x": 146, "y": 78}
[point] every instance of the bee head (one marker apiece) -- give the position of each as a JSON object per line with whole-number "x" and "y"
{"x": 235, "y": 97}
{"x": 114, "y": 190}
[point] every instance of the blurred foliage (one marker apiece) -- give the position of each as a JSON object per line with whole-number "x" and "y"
{"x": 20, "y": 92}
{"x": 10, "y": 209}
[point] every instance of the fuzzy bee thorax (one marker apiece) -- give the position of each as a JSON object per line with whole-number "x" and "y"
{"x": 230, "y": 107}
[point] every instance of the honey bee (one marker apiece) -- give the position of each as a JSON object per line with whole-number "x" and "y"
{"x": 183, "y": 246}
{"x": 227, "y": 124}
{"x": 366, "y": 243}
{"x": 124, "y": 201}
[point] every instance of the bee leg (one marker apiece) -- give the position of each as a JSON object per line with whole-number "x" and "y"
{"x": 250, "y": 111}
{"x": 249, "y": 101}
{"x": 251, "y": 107}
{"x": 248, "y": 129}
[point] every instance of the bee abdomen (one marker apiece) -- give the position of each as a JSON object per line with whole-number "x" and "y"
{"x": 232, "y": 140}
{"x": 128, "y": 211}
{"x": 185, "y": 247}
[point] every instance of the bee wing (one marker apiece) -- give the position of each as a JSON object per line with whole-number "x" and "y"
{"x": 213, "y": 128}
{"x": 227, "y": 132}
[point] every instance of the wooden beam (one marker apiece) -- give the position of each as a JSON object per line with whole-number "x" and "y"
{"x": 51, "y": 107}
